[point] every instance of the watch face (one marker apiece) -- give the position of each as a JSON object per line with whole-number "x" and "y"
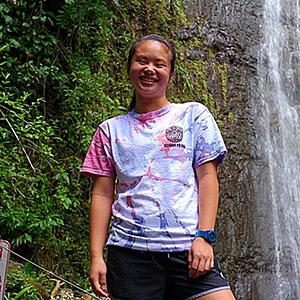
{"x": 212, "y": 236}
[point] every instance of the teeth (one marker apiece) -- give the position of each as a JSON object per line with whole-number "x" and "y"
{"x": 148, "y": 79}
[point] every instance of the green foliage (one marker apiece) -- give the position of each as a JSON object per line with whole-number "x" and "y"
{"x": 42, "y": 120}
{"x": 19, "y": 285}
{"x": 62, "y": 72}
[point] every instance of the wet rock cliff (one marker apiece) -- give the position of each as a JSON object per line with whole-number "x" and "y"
{"x": 231, "y": 31}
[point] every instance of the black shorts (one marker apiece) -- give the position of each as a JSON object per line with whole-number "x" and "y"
{"x": 146, "y": 275}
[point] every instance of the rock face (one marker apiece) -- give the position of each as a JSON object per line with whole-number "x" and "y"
{"x": 231, "y": 29}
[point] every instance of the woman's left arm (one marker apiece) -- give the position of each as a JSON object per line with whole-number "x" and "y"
{"x": 201, "y": 257}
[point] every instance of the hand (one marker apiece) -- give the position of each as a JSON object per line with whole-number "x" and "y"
{"x": 201, "y": 257}
{"x": 98, "y": 277}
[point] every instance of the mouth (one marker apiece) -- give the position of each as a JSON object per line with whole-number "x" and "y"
{"x": 148, "y": 79}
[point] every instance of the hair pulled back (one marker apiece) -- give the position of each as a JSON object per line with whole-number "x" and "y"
{"x": 151, "y": 37}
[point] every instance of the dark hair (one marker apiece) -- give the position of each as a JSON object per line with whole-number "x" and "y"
{"x": 151, "y": 37}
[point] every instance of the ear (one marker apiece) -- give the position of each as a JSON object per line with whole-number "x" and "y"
{"x": 172, "y": 75}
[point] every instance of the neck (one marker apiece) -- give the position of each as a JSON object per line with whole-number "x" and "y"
{"x": 147, "y": 105}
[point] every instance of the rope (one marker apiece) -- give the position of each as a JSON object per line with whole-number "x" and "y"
{"x": 52, "y": 274}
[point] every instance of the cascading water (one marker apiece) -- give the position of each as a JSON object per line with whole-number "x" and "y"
{"x": 278, "y": 151}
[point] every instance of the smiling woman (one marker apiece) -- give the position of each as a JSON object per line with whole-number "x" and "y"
{"x": 165, "y": 158}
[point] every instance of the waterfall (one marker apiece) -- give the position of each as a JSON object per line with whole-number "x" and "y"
{"x": 277, "y": 185}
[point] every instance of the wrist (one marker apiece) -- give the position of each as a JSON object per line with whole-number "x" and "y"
{"x": 209, "y": 235}
{"x": 96, "y": 256}
{"x": 200, "y": 239}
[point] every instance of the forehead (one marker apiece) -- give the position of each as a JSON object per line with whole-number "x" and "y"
{"x": 152, "y": 48}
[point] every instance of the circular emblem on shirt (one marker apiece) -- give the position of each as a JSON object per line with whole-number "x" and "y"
{"x": 174, "y": 134}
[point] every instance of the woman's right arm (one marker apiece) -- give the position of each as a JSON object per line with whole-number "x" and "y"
{"x": 100, "y": 214}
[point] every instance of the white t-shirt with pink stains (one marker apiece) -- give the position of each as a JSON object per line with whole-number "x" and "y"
{"x": 154, "y": 156}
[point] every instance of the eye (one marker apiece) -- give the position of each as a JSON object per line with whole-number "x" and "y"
{"x": 141, "y": 62}
{"x": 160, "y": 65}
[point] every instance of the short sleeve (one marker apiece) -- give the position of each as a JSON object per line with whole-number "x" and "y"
{"x": 209, "y": 143}
{"x": 99, "y": 160}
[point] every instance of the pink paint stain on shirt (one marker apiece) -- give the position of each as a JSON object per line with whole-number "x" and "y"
{"x": 119, "y": 140}
{"x": 133, "y": 183}
{"x": 161, "y": 137}
{"x": 151, "y": 176}
{"x": 123, "y": 185}
{"x": 128, "y": 201}
{"x": 129, "y": 204}
{"x": 142, "y": 122}
{"x": 145, "y": 122}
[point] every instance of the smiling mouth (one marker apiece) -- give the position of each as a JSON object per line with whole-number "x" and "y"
{"x": 148, "y": 79}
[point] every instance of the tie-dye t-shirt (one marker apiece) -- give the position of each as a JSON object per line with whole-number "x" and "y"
{"x": 154, "y": 156}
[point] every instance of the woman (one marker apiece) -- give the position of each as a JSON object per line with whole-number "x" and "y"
{"x": 165, "y": 159}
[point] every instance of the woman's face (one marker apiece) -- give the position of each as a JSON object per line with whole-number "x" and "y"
{"x": 150, "y": 68}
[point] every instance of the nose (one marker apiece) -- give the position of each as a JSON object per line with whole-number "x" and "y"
{"x": 149, "y": 69}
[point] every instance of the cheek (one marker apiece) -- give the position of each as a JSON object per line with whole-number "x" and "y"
{"x": 166, "y": 78}
{"x": 133, "y": 73}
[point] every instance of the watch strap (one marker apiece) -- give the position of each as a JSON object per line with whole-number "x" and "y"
{"x": 209, "y": 235}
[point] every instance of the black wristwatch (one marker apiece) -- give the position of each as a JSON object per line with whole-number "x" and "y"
{"x": 209, "y": 235}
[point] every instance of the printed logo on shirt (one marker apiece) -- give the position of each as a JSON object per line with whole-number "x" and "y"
{"x": 174, "y": 134}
